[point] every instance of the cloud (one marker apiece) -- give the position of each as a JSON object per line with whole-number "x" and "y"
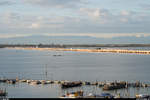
{"x": 4, "y": 3}
{"x": 45, "y": 26}
{"x": 102, "y": 35}
{"x": 34, "y": 25}
{"x": 145, "y": 7}
{"x": 99, "y": 16}
{"x": 47, "y": 22}
{"x": 108, "y": 18}
{"x": 96, "y": 12}
{"x": 13, "y": 35}
{"x": 84, "y": 20}
{"x": 9, "y": 20}
{"x": 125, "y": 13}
{"x": 9, "y": 16}
{"x": 57, "y": 3}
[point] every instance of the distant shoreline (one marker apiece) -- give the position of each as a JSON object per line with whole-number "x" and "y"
{"x": 85, "y": 50}
{"x": 73, "y": 45}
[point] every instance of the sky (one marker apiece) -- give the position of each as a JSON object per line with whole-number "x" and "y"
{"x": 99, "y": 19}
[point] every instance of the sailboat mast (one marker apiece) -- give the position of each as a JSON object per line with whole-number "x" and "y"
{"x": 46, "y": 71}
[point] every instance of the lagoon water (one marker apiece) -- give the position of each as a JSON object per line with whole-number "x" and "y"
{"x": 73, "y": 66}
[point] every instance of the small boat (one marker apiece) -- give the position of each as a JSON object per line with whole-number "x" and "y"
{"x": 11, "y": 81}
{"x": 3, "y": 93}
{"x": 3, "y": 80}
{"x": 142, "y": 96}
{"x": 106, "y": 95}
{"x": 35, "y": 82}
{"x": 87, "y": 83}
{"x": 71, "y": 84}
{"x": 57, "y": 82}
{"x": 117, "y": 96}
{"x": 102, "y": 95}
{"x": 91, "y": 95}
{"x": 77, "y": 94}
{"x": 29, "y": 81}
{"x": 23, "y": 80}
{"x": 113, "y": 86}
{"x": 57, "y": 55}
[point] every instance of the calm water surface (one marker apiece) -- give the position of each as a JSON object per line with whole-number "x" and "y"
{"x": 31, "y": 64}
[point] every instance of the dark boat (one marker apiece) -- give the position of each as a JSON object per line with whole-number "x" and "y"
{"x": 114, "y": 86}
{"x": 71, "y": 84}
{"x": 3, "y": 93}
{"x": 106, "y": 95}
{"x": 11, "y": 81}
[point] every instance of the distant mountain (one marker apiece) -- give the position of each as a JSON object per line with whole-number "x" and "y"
{"x": 36, "y": 39}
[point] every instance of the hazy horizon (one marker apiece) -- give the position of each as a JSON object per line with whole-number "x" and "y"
{"x": 37, "y": 39}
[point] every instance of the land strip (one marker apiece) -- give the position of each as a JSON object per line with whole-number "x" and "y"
{"x": 85, "y": 50}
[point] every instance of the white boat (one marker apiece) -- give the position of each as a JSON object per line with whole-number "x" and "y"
{"x": 78, "y": 94}
{"x": 142, "y": 96}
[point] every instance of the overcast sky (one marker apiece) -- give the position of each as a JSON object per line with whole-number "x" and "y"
{"x": 94, "y": 18}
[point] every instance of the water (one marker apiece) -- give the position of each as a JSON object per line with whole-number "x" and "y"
{"x": 73, "y": 66}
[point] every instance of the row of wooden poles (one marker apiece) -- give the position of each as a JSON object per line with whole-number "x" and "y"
{"x": 110, "y": 50}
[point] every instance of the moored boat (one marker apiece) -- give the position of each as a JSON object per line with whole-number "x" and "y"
{"x": 35, "y": 82}
{"x": 77, "y": 94}
{"x": 114, "y": 85}
{"x": 3, "y": 93}
{"x": 142, "y": 96}
{"x": 71, "y": 84}
{"x": 102, "y": 95}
